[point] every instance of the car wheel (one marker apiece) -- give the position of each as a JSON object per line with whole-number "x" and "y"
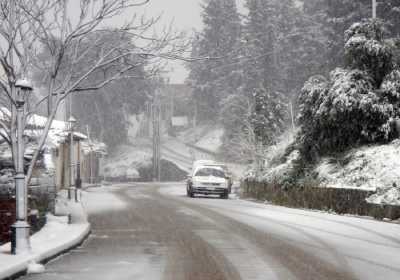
{"x": 225, "y": 195}
{"x": 189, "y": 192}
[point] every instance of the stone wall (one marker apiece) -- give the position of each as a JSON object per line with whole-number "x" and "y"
{"x": 341, "y": 201}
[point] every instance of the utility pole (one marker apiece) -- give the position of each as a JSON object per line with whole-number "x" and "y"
{"x": 156, "y": 119}
{"x": 291, "y": 116}
{"x": 90, "y": 155}
{"x": 374, "y": 9}
{"x": 72, "y": 185}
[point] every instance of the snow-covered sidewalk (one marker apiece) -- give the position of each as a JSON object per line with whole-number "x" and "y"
{"x": 56, "y": 237}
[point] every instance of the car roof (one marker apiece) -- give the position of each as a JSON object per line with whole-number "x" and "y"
{"x": 207, "y": 166}
{"x": 203, "y": 161}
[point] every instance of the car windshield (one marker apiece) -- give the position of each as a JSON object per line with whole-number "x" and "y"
{"x": 210, "y": 172}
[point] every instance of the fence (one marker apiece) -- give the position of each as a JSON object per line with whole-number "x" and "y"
{"x": 41, "y": 199}
{"x": 7, "y": 217}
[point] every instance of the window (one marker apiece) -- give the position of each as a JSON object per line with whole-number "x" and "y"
{"x": 210, "y": 172}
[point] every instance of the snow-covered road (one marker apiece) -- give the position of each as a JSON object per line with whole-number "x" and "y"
{"x": 148, "y": 231}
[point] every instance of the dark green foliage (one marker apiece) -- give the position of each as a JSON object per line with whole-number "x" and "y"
{"x": 235, "y": 118}
{"x": 217, "y": 77}
{"x": 107, "y": 110}
{"x": 268, "y": 117}
{"x": 335, "y": 16}
{"x": 286, "y": 46}
{"x": 356, "y": 105}
{"x": 340, "y": 14}
{"x": 365, "y": 50}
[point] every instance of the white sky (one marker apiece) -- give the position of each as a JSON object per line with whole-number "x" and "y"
{"x": 186, "y": 16}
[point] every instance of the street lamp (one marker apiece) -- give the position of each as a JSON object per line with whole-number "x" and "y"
{"x": 374, "y": 9}
{"x": 72, "y": 122}
{"x": 20, "y": 229}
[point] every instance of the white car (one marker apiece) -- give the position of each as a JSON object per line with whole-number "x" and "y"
{"x": 208, "y": 180}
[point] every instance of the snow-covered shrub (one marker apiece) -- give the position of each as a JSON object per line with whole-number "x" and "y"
{"x": 390, "y": 87}
{"x": 357, "y": 104}
{"x": 365, "y": 49}
{"x": 283, "y": 173}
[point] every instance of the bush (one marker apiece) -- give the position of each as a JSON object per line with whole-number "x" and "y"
{"x": 356, "y": 105}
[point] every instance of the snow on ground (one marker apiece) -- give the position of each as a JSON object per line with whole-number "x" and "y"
{"x": 35, "y": 268}
{"x": 126, "y": 161}
{"x": 369, "y": 168}
{"x": 102, "y": 200}
{"x": 205, "y": 136}
{"x": 178, "y": 153}
{"x": 193, "y": 134}
{"x": 212, "y": 140}
{"x": 389, "y": 196}
{"x": 55, "y": 237}
{"x": 374, "y": 168}
{"x": 367, "y": 248}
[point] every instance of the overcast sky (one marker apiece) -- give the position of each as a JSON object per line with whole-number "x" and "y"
{"x": 186, "y": 15}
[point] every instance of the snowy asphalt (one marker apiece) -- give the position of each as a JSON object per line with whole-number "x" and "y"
{"x": 147, "y": 231}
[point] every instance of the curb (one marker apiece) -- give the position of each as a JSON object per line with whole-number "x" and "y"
{"x": 19, "y": 270}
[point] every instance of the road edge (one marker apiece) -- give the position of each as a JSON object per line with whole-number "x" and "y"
{"x": 19, "y": 269}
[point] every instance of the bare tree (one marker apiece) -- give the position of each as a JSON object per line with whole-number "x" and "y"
{"x": 30, "y": 26}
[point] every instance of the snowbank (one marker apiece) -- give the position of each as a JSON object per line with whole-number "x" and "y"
{"x": 389, "y": 196}
{"x": 372, "y": 168}
{"x": 54, "y": 238}
{"x": 212, "y": 140}
{"x": 126, "y": 162}
{"x": 367, "y": 168}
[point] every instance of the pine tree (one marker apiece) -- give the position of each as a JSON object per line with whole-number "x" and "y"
{"x": 284, "y": 46}
{"x": 217, "y": 77}
{"x": 338, "y": 15}
{"x": 389, "y": 11}
{"x": 268, "y": 116}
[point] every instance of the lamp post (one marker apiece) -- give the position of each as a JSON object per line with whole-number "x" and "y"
{"x": 72, "y": 122}
{"x": 91, "y": 163}
{"x": 78, "y": 182}
{"x": 20, "y": 229}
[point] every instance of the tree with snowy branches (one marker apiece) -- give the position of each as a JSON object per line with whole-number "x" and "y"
{"x": 217, "y": 77}
{"x": 357, "y": 104}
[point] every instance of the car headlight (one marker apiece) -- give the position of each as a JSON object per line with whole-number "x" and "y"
{"x": 195, "y": 183}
